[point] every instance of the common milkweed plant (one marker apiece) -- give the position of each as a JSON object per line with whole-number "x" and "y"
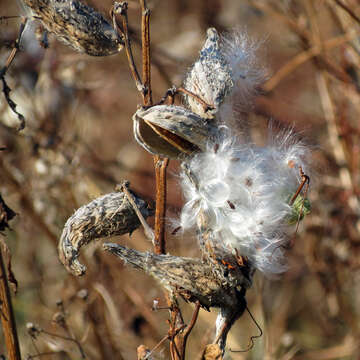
{"x": 242, "y": 200}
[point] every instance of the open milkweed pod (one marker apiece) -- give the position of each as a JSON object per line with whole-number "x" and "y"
{"x": 209, "y": 78}
{"x": 77, "y": 25}
{"x": 172, "y": 131}
{"x": 108, "y": 215}
{"x": 191, "y": 278}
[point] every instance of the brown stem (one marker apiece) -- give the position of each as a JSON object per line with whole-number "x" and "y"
{"x": 160, "y": 174}
{"x": 305, "y": 179}
{"x": 7, "y": 315}
{"x": 348, "y": 10}
{"x": 204, "y": 104}
{"x": 145, "y": 36}
{"x": 147, "y": 230}
{"x": 121, "y": 9}
{"x": 15, "y": 49}
{"x": 189, "y": 328}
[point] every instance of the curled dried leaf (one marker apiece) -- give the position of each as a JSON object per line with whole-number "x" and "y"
{"x": 172, "y": 131}
{"x": 77, "y": 25}
{"x": 108, "y": 215}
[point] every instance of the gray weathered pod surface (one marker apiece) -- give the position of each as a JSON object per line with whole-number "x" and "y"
{"x": 194, "y": 280}
{"x": 108, "y": 215}
{"x": 209, "y": 77}
{"x": 172, "y": 131}
{"x": 77, "y": 25}
{"x": 191, "y": 278}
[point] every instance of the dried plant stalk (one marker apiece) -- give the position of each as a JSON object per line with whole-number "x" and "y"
{"x": 6, "y": 310}
{"x": 7, "y": 315}
{"x": 108, "y": 215}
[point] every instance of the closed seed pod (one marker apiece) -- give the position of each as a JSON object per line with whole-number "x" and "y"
{"x": 172, "y": 131}
{"x": 77, "y": 25}
{"x": 108, "y": 215}
{"x": 209, "y": 77}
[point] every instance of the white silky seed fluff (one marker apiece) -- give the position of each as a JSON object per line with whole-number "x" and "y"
{"x": 245, "y": 192}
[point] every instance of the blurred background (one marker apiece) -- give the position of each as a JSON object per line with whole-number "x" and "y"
{"x": 78, "y": 144}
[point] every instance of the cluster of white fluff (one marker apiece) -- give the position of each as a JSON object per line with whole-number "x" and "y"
{"x": 247, "y": 72}
{"x": 242, "y": 190}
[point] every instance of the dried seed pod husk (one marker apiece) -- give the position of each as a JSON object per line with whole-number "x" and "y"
{"x": 108, "y": 215}
{"x": 191, "y": 278}
{"x": 77, "y": 25}
{"x": 209, "y": 78}
{"x": 172, "y": 131}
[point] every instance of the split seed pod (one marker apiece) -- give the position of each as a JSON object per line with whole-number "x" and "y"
{"x": 108, "y": 215}
{"x": 77, "y": 25}
{"x": 195, "y": 280}
{"x": 171, "y": 130}
{"x": 209, "y": 78}
{"x": 191, "y": 278}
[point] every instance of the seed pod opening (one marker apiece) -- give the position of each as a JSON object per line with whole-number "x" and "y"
{"x": 77, "y": 25}
{"x": 192, "y": 278}
{"x": 172, "y": 131}
{"x": 108, "y": 215}
{"x": 209, "y": 78}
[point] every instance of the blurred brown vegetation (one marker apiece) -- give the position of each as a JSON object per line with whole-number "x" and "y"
{"x": 78, "y": 144}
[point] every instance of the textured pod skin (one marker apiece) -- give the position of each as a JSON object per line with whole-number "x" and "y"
{"x": 222, "y": 261}
{"x": 209, "y": 78}
{"x": 77, "y": 25}
{"x": 191, "y": 278}
{"x": 108, "y": 215}
{"x": 171, "y": 131}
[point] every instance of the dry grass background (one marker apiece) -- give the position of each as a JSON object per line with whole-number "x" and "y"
{"x": 78, "y": 144}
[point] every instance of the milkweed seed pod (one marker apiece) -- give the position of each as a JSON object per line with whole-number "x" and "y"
{"x": 209, "y": 78}
{"x": 226, "y": 75}
{"x": 108, "y": 215}
{"x": 191, "y": 278}
{"x": 194, "y": 280}
{"x": 237, "y": 195}
{"x": 77, "y": 25}
{"x": 172, "y": 131}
